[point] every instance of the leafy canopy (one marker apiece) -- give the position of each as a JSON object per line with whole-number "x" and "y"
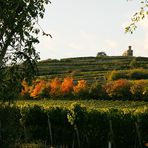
{"x": 19, "y": 31}
{"x": 138, "y": 16}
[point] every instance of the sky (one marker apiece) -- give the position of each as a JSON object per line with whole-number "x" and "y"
{"x": 83, "y": 28}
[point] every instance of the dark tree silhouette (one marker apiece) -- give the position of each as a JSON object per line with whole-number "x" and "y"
{"x": 19, "y": 31}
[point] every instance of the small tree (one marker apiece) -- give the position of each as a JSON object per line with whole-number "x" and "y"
{"x": 139, "y": 89}
{"x": 119, "y": 89}
{"x": 96, "y": 91}
{"x": 67, "y": 86}
{"x": 55, "y": 87}
{"x": 117, "y": 74}
{"x": 26, "y": 90}
{"x": 81, "y": 89}
{"x": 38, "y": 89}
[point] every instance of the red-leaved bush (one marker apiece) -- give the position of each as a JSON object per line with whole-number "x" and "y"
{"x": 119, "y": 89}
{"x": 67, "y": 86}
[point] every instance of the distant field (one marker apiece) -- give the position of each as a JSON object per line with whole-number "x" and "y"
{"x": 130, "y": 105}
{"x": 87, "y": 68}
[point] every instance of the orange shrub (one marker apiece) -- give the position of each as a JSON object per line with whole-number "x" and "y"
{"x": 25, "y": 93}
{"x": 55, "y": 86}
{"x": 82, "y": 84}
{"x": 81, "y": 89}
{"x": 38, "y": 88}
{"x": 67, "y": 86}
{"x": 45, "y": 91}
{"x": 119, "y": 89}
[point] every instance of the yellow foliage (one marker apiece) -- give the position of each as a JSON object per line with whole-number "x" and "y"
{"x": 26, "y": 88}
{"x": 82, "y": 85}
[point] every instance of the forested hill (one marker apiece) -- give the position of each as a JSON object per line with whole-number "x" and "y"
{"x": 89, "y": 68}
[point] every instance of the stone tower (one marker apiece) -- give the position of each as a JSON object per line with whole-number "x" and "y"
{"x": 128, "y": 52}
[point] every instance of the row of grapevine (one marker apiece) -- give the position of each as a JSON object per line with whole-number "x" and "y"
{"x": 75, "y": 126}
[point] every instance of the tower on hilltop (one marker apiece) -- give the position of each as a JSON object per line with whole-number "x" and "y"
{"x": 128, "y": 52}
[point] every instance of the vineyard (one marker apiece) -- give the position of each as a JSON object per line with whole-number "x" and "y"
{"x": 80, "y": 103}
{"x": 88, "y": 68}
{"x": 80, "y": 124}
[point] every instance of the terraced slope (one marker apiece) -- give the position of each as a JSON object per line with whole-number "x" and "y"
{"x": 89, "y": 68}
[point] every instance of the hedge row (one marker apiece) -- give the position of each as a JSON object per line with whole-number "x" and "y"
{"x": 133, "y": 74}
{"x": 121, "y": 89}
{"x": 75, "y": 127}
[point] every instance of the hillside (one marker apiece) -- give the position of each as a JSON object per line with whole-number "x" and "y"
{"x": 88, "y": 68}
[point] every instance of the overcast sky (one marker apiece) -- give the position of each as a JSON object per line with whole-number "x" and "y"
{"x": 85, "y": 27}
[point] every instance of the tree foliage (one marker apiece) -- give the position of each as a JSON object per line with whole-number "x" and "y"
{"x": 67, "y": 86}
{"x": 55, "y": 86}
{"x": 81, "y": 89}
{"x": 138, "y": 89}
{"x": 38, "y": 88}
{"x": 17, "y": 29}
{"x": 119, "y": 89}
{"x": 18, "y": 34}
{"x": 138, "y": 16}
{"x": 97, "y": 91}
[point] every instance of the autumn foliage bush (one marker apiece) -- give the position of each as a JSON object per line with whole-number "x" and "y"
{"x": 137, "y": 74}
{"x": 26, "y": 89}
{"x": 48, "y": 89}
{"x": 38, "y": 88}
{"x": 81, "y": 90}
{"x": 117, "y": 74}
{"x": 139, "y": 89}
{"x": 121, "y": 89}
{"x": 55, "y": 87}
{"x": 67, "y": 86}
{"x": 133, "y": 74}
{"x": 97, "y": 91}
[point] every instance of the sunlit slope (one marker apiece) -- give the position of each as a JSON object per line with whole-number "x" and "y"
{"x": 88, "y": 68}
